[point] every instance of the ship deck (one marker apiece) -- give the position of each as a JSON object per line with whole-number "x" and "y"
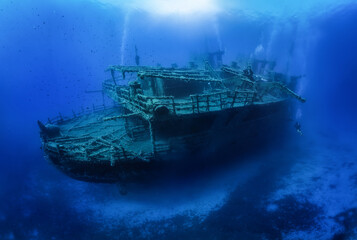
{"x": 90, "y": 138}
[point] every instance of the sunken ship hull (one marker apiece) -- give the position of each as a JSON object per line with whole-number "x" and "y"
{"x": 184, "y": 144}
{"x": 152, "y": 131}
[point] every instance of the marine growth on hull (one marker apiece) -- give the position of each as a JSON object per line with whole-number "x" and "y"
{"x": 164, "y": 116}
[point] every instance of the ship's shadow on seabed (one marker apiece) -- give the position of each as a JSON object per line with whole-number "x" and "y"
{"x": 211, "y": 163}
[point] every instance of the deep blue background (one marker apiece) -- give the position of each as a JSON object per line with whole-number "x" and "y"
{"x": 50, "y": 53}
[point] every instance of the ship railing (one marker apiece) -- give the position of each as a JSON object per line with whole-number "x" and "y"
{"x": 242, "y": 98}
{"x": 139, "y": 101}
{"x": 220, "y": 100}
{"x": 113, "y": 91}
{"x": 84, "y": 111}
{"x": 107, "y": 85}
{"x": 196, "y": 103}
{"x": 209, "y": 102}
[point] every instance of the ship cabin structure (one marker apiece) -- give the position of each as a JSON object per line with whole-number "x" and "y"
{"x": 171, "y": 107}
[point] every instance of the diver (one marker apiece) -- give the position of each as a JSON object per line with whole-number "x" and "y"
{"x": 298, "y": 128}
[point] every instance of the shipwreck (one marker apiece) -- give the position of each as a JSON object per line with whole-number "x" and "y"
{"x": 169, "y": 116}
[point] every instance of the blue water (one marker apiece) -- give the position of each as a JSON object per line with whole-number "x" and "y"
{"x": 51, "y": 52}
